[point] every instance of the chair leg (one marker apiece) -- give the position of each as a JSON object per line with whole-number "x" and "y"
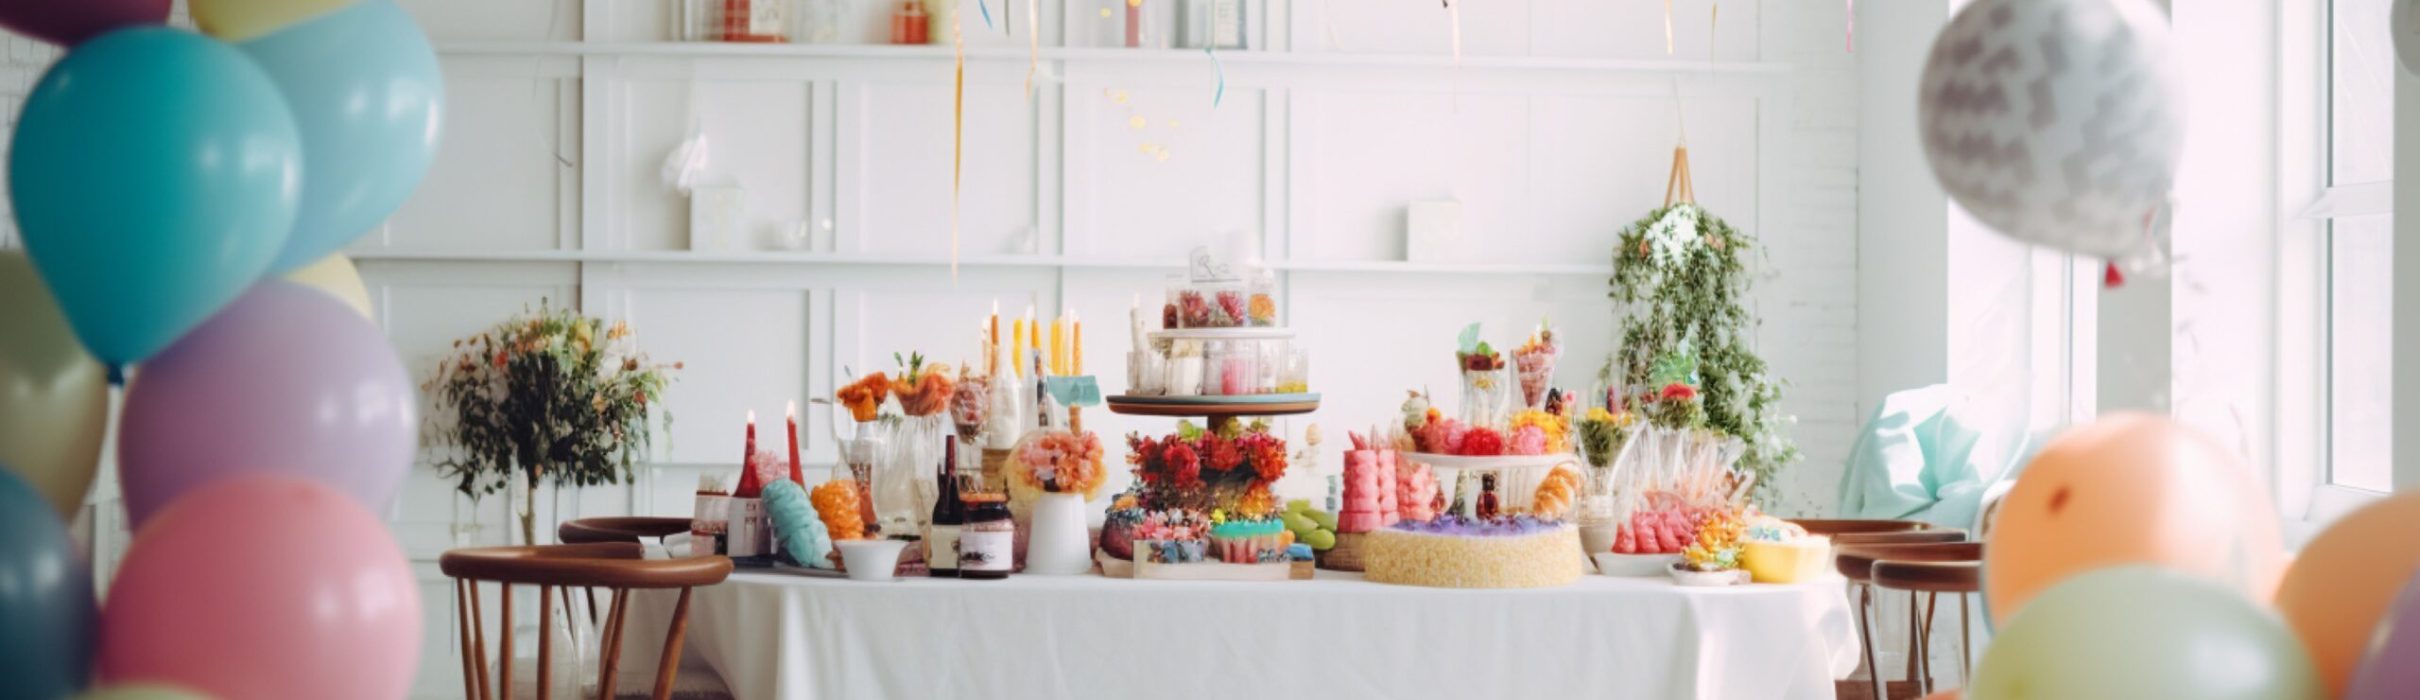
{"x": 610, "y": 663}
{"x": 546, "y": 642}
{"x": 504, "y": 655}
{"x": 1966, "y": 644}
{"x": 1915, "y": 636}
{"x": 463, "y": 622}
{"x": 1924, "y": 643}
{"x": 479, "y": 642}
{"x": 1865, "y": 637}
{"x": 671, "y": 662}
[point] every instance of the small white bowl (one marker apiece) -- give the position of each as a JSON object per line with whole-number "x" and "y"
{"x": 1634, "y": 565}
{"x": 872, "y": 560}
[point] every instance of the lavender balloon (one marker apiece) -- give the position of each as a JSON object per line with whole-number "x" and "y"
{"x": 2392, "y": 668}
{"x": 285, "y": 381}
{"x": 68, "y": 22}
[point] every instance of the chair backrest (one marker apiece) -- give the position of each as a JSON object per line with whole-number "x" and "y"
{"x": 619, "y": 529}
{"x": 1835, "y": 528}
{"x": 1856, "y": 561}
{"x": 1926, "y": 536}
{"x": 617, "y": 566}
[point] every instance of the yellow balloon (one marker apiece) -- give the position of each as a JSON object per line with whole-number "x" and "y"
{"x": 241, "y": 20}
{"x": 54, "y": 397}
{"x": 336, "y": 275}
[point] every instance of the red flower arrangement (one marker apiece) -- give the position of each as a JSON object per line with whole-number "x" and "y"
{"x": 1677, "y": 391}
{"x": 1196, "y": 470}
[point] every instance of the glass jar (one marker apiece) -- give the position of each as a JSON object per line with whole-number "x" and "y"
{"x": 1260, "y": 303}
{"x": 1294, "y": 377}
{"x": 1484, "y": 393}
{"x": 1230, "y": 304}
{"x": 1237, "y": 368}
{"x": 904, "y": 489}
{"x": 987, "y": 545}
{"x": 1186, "y": 368}
{"x": 1271, "y": 359}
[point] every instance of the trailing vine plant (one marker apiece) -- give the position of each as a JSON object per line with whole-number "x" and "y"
{"x": 1680, "y": 279}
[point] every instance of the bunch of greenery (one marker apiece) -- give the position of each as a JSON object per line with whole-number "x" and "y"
{"x": 552, "y": 393}
{"x": 1680, "y": 278}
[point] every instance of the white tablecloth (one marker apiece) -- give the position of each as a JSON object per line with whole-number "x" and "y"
{"x": 789, "y": 637}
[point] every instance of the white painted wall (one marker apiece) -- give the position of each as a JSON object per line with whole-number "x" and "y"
{"x": 1554, "y": 133}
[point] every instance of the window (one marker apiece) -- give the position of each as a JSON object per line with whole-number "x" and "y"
{"x": 2358, "y": 235}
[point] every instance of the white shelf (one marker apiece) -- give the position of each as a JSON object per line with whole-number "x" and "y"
{"x": 1101, "y": 55}
{"x": 679, "y": 257}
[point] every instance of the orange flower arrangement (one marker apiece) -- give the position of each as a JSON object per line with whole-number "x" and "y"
{"x": 921, "y": 392}
{"x": 1060, "y": 461}
{"x": 864, "y": 396}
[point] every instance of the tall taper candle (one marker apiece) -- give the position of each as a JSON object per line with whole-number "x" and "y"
{"x": 993, "y": 329}
{"x": 1058, "y": 345}
{"x": 1075, "y": 343}
{"x": 790, "y": 425}
{"x": 1016, "y": 350}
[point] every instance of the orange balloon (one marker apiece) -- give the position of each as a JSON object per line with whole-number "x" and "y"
{"x": 2335, "y": 593}
{"x": 2131, "y": 488}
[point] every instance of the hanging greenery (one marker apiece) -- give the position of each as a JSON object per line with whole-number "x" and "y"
{"x": 1680, "y": 278}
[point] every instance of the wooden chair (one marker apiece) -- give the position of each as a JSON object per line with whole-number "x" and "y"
{"x": 1961, "y": 577}
{"x": 623, "y": 529}
{"x": 1858, "y": 562}
{"x": 614, "y": 566}
{"x": 1847, "y": 533}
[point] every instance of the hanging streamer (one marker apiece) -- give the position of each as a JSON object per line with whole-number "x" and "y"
{"x": 987, "y": 12}
{"x": 1852, "y": 26}
{"x": 1668, "y": 45}
{"x": 1453, "y": 15}
{"x": 957, "y": 136}
{"x": 1219, "y": 95}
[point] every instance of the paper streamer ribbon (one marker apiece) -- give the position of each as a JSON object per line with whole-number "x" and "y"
{"x": 1668, "y": 45}
{"x": 1453, "y": 15}
{"x": 957, "y": 135}
{"x": 987, "y": 12}
{"x": 1219, "y": 95}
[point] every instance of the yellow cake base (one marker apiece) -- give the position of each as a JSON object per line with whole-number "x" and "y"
{"x": 1538, "y": 560}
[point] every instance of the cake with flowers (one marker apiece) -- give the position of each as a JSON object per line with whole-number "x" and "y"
{"x": 1451, "y": 551}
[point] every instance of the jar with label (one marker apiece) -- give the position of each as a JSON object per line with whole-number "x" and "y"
{"x": 708, "y": 521}
{"x": 987, "y": 545}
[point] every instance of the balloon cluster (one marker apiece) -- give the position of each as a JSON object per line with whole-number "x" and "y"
{"x": 163, "y": 181}
{"x": 2137, "y": 558}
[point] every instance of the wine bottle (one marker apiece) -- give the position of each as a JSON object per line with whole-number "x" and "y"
{"x": 949, "y": 516}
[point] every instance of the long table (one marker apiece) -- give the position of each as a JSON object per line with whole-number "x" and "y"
{"x": 785, "y": 636}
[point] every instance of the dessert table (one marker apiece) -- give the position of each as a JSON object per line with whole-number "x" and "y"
{"x": 774, "y": 635}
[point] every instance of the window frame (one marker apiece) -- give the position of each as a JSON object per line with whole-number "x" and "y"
{"x": 2307, "y": 496}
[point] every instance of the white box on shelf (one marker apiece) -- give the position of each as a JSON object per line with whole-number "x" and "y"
{"x": 717, "y": 218}
{"x": 1433, "y": 231}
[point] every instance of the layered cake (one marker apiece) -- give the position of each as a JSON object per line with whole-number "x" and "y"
{"x": 1456, "y": 552}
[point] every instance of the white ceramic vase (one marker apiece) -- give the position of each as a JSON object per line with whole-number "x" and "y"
{"x": 1060, "y": 546}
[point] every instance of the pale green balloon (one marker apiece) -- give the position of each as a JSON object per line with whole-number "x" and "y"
{"x": 2139, "y": 632}
{"x": 54, "y": 398}
{"x": 142, "y": 691}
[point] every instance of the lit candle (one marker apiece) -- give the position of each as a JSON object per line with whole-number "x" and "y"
{"x": 1075, "y": 367}
{"x": 750, "y": 455}
{"x": 790, "y": 425}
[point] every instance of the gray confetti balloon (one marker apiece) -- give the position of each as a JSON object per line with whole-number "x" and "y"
{"x": 2057, "y": 122}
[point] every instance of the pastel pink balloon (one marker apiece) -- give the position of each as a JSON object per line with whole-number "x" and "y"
{"x": 264, "y": 588}
{"x": 286, "y": 380}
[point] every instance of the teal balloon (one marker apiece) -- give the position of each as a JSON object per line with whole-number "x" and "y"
{"x": 154, "y": 173}
{"x": 2143, "y": 632}
{"x": 46, "y": 599}
{"x": 369, "y": 99}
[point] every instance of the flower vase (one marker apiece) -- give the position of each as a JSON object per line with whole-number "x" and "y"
{"x": 1484, "y": 393}
{"x": 904, "y": 489}
{"x": 1060, "y": 545}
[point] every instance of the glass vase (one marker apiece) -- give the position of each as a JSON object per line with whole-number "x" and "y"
{"x": 904, "y": 487}
{"x": 1484, "y": 395}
